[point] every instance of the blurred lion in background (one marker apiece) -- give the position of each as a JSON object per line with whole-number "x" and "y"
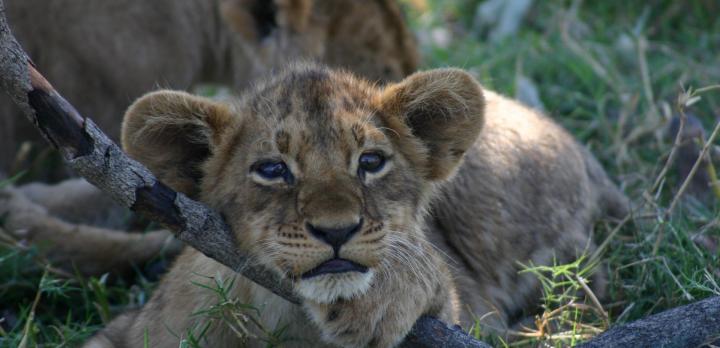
{"x": 102, "y": 55}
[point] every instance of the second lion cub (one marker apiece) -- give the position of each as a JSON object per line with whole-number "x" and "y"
{"x": 327, "y": 180}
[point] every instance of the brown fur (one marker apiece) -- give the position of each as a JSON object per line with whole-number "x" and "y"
{"x": 524, "y": 191}
{"x": 109, "y": 53}
{"x": 49, "y": 225}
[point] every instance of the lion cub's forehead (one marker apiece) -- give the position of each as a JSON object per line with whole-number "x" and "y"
{"x": 317, "y": 108}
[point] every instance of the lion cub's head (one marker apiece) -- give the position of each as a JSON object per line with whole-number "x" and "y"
{"x": 320, "y": 174}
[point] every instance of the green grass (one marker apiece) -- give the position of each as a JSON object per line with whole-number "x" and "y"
{"x": 41, "y": 306}
{"x": 609, "y": 71}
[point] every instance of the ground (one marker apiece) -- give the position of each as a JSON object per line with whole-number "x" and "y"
{"x": 615, "y": 73}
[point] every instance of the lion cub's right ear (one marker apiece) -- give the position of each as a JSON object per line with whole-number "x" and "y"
{"x": 443, "y": 110}
{"x": 173, "y": 133}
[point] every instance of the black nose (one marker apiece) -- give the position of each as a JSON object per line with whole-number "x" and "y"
{"x": 336, "y": 237}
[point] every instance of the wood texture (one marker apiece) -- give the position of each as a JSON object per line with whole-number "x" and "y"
{"x": 693, "y": 325}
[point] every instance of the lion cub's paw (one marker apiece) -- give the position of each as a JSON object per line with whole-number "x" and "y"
{"x": 384, "y": 315}
{"x": 360, "y": 324}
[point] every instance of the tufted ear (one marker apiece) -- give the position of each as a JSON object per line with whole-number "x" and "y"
{"x": 173, "y": 133}
{"x": 438, "y": 114}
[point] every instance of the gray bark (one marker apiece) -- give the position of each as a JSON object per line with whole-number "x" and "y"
{"x": 94, "y": 156}
{"x": 431, "y": 333}
{"x": 691, "y": 325}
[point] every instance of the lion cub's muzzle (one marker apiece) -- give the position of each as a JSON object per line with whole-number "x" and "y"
{"x": 336, "y": 238}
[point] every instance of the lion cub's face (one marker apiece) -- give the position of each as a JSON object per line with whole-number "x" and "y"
{"x": 319, "y": 174}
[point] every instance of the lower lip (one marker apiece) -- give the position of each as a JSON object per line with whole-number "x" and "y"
{"x": 334, "y": 266}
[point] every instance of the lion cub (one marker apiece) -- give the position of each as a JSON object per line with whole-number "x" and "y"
{"x": 327, "y": 180}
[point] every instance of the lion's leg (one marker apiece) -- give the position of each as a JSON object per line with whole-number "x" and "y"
{"x": 113, "y": 333}
{"x": 93, "y": 250}
{"x": 77, "y": 201}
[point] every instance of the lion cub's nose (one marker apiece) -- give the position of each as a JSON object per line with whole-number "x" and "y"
{"x": 336, "y": 237}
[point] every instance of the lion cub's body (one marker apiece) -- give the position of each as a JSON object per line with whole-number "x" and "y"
{"x": 526, "y": 191}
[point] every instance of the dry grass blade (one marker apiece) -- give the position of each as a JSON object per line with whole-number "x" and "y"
{"x": 598, "y": 306}
{"x": 671, "y": 157}
{"x": 31, "y": 316}
{"x": 600, "y": 249}
{"x": 645, "y": 74}
{"x": 576, "y": 48}
{"x": 685, "y": 99}
{"x": 701, "y": 157}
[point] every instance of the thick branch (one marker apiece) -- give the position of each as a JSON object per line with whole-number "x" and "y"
{"x": 93, "y": 155}
{"x": 687, "y": 326}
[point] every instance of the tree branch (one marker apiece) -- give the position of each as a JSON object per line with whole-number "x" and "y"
{"x": 98, "y": 159}
{"x": 693, "y": 325}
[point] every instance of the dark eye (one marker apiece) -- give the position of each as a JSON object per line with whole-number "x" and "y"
{"x": 273, "y": 170}
{"x": 371, "y": 162}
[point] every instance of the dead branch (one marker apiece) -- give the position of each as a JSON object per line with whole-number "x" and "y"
{"x": 88, "y": 151}
{"x": 693, "y": 325}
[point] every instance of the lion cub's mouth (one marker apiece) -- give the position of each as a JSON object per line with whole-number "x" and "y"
{"x": 335, "y": 265}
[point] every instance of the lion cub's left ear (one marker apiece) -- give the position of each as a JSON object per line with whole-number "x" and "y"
{"x": 438, "y": 115}
{"x": 173, "y": 133}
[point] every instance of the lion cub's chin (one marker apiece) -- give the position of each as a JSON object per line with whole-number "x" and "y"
{"x": 328, "y": 288}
